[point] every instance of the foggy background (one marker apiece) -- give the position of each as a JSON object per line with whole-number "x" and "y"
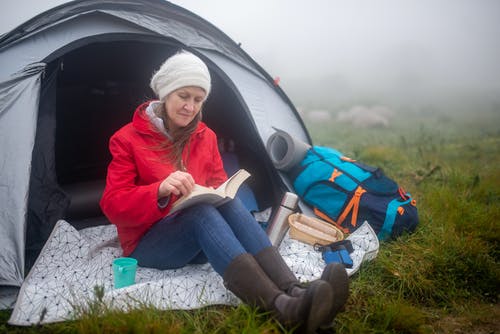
{"x": 333, "y": 53}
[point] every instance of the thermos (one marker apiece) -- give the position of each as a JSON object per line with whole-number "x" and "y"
{"x": 279, "y": 221}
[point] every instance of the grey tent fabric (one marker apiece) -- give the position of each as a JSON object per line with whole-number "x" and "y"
{"x": 18, "y": 106}
{"x": 269, "y": 110}
{"x": 47, "y": 200}
{"x": 90, "y": 60}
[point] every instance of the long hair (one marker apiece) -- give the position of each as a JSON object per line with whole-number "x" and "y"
{"x": 180, "y": 137}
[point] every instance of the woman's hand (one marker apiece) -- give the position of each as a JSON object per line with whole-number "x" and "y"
{"x": 177, "y": 183}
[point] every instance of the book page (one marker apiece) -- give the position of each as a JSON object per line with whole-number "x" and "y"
{"x": 231, "y": 186}
{"x": 217, "y": 196}
{"x": 202, "y": 196}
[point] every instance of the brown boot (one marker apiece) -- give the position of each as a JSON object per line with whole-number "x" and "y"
{"x": 276, "y": 268}
{"x": 278, "y": 271}
{"x": 246, "y": 279}
{"x": 336, "y": 275}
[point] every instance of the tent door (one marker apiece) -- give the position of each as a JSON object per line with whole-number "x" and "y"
{"x": 46, "y": 201}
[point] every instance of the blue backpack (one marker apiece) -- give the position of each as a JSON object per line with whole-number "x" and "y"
{"x": 345, "y": 192}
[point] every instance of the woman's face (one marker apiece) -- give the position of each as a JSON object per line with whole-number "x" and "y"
{"x": 182, "y": 105}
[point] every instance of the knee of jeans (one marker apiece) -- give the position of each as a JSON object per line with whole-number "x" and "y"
{"x": 234, "y": 206}
{"x": 235, "y": 202}
{"x": 201, "y": 210}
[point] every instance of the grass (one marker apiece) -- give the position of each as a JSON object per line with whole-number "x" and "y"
{"x": 444, "y": 278}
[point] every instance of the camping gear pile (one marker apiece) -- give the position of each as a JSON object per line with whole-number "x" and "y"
{"x": 342, "y": 191}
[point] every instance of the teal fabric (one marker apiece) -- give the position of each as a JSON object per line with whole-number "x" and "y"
{"x": 390, "y": 218}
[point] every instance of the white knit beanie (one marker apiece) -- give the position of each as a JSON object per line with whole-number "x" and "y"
{"x": 180, "y": 70}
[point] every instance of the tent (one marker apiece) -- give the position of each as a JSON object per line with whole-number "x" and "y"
{"x": 73, "y": 75}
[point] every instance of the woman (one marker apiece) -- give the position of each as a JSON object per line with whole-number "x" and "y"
{"x": 159, "y": 157}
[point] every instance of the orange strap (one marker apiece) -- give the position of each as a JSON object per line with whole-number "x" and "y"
{"x": 354, "y": 206}
{"x": 344, "y": 158}
{"x": 328, "y": 219}
{"x": 334, "y": 175}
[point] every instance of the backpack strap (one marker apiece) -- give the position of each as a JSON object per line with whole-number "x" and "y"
{"x": 390, "y": 216}
{"x": 334, "y": 175}
{"x": 353, "y": 206}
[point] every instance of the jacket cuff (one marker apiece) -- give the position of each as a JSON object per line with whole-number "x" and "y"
{"x": 163, "y": 202}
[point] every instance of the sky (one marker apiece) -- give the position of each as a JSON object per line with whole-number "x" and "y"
{"x": 418, "y": 49}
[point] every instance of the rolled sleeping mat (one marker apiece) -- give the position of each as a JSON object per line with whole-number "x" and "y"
{"x": 286, "y": 151}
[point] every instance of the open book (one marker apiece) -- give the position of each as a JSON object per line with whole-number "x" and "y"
{"x": 216, "y": 197}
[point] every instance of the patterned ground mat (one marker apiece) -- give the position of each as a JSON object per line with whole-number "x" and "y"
{"x": 73, "y": 263}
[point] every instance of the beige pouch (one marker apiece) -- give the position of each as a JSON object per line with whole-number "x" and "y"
{"x": 313, "y": 230}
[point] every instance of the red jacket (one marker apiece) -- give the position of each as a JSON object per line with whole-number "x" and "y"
{"x": 130, "y": 199}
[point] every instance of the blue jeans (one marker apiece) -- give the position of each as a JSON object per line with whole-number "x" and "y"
{"x": 200, "y": 233}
